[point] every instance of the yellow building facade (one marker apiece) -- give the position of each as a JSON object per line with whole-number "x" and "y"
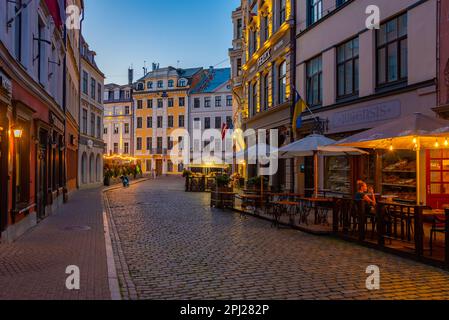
{"x": 161, "y": 107}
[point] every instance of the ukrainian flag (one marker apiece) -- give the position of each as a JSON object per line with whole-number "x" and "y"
{"x": 300, "y": 107}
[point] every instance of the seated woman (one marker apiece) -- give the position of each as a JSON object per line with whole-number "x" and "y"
{"x": 365, "y": 194}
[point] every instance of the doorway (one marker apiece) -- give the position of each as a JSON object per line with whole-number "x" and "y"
{"x": 159, "y": 167}
{"x": 437, "y": 178}
{"x": 42, "y": 169}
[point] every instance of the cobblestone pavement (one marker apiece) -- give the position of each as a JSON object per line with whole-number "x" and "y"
{"x": 177, "y": 247}
{"x": 34, "y": 266}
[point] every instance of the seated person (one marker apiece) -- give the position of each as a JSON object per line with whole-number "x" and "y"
{"x": 365, "y": 194}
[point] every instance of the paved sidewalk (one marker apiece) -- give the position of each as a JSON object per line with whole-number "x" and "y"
{"x": 34, "y": 266}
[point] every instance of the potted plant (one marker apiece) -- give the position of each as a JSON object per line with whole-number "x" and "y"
{"x": 108, "y": 174}
{"x": 223, "y": 181}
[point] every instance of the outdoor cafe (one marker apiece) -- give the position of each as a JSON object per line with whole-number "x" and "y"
{"x": 407, "y": 178}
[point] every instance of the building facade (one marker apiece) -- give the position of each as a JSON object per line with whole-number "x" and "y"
{"x": 355, "y": 78}
{"x": 161, "y": 107}
{"x": 91, "y": 145}
{"x": 443, "y": 60}
{"x": 118, "y": 132}
{"x": 32, "y": 52}
{"x": 72, "y": 100}
{"x": 268, "y": 74}
{"x": 210, "y": 106}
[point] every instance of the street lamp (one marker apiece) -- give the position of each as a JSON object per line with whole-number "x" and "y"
{"x": 18, "y": 132}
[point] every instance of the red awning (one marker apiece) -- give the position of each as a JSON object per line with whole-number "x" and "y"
{"x": 55, "y": 11}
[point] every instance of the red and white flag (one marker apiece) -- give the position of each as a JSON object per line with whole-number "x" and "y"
{"x": 224, "y": 130}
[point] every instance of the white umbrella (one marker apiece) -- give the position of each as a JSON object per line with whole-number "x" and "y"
{"x": 315, "y": 145}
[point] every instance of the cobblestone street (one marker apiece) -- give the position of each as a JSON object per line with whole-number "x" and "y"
{"x": 172, "y": 245}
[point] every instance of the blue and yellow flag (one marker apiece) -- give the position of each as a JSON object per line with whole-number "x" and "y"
{"x": 300, "y": 107}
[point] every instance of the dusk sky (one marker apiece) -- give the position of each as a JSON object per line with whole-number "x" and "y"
{"x": 125, "y": 33}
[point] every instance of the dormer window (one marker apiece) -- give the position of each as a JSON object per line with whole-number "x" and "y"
{"x": 160, "y": 84}
{"x": 150, "y": 85}
{"x": 170, "y": 83}
{"x": 140, "y": 86}
{"x": 182, "y": 83}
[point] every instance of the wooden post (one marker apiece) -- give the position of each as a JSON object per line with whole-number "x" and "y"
{"x": 446, "y": 243}
{"x": 335, "y": 211}
{"x": 315, "y": 174}
{"x": 380, "y": 225}
{"x": 419, "y": 232}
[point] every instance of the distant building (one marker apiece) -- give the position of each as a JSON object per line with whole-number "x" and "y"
{"x": 210, "y": 106}
{"x": 161, "y": 106}
{"x": 91, "y": 145}
{"x": 118, "y": 129}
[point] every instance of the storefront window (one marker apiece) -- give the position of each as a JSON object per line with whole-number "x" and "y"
{"x": 399, "y": 174}
{"x": 338, "y": 171}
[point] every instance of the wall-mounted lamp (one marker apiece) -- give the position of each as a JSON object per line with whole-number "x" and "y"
{"x": 18, "y": 133}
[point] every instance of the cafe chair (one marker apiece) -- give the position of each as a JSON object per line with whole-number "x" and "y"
{"x": 438, "y": 226}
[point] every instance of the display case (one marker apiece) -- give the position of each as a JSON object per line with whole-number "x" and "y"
{"x": 399, "y": 176}
{"x": 338, "y": 175}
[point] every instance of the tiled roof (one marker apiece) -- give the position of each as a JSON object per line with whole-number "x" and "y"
{"x": 171, "y": 71}
{"x": 212, "y": 80}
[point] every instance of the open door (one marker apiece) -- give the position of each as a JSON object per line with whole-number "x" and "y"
{"x": 437, "y": 178}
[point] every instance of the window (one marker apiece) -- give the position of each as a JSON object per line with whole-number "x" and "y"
{"x": 182, "y": 83}
{"x": 92, "y": 124}
{"x": 180, "y": 167}
{"x": 170, "y": 83}
{"x": 115, "y": 148}
{"x": 159, "y": 145}
{"x": 266, "y": 24}
{"x": 392, "y": 51}
{"x": 149, "y": 144}
{"x": 111, "y": 95}
{"x": 196, "y": 103}
{"x": 282, "y": 12}
{"x": 93, "y": 87}
{"x": 18, "y": 30}
{"x": 348, "y": 68}
{"x": 169, "y": 143}
{"x": 229, "y": 122}
{"x": 127, "y": 110}
{"x": 170, "y": 166}
{"x": 160, "y": 84}
{"x": 218, "y": 101}
{"x": 139, "y": 123}
{"x": 99, "y": 95}
{"x": 239, "y": 34}
{"x": 40, "y": 51}
{"x": 315, "y": 11}
{"x": 266, "y": 83}
{"x": 105, "y": 130}
{"x": 116, "y": 128}
{"x": 149, "y": 122}
{"x": 228, "y": 101}
{"x": 207, "y": 102}
{"x": 340, "y": 2}
{"x": 98, "y": 127}
{"x": 139, "y": 104}
{"x": 282, "y": 83}
{"x": 85, "y": 82}
{"x": 84, "y": 121}
{"x": 217, "y": 122}
{"x": 140, "y": 86}
{"x": 181, "y": 121}
{"x": 171, "y": 102}
{"x": 314, "y": 82}
{"x": 197, "y": 123}
{"x": 150, "y": 104}
{"x": 159, "y": 122}
{"x": 252, "y": 42}
{"x": 139, "y": 144}
{"x": 170, "y": 122}
{"x": 254, "y": 99}
{"x": 182, "y": 102}
{"x": 126, "y": 129}
{"x": 150, "y": 85}
{"x": 126, "y": 151}
{"x": 160, "y": 103}
{"x": 207, "y": 123}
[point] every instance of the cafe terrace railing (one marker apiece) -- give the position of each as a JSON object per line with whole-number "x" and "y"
{"x": 200, "y": 184}
{"x": 398, "y": 228}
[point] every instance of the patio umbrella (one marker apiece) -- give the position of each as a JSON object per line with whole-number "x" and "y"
{"x": 315, "y": 145}
{"x": 412, "y": 132}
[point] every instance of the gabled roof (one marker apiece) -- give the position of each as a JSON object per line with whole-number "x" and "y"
{"x": 212, "y": 80}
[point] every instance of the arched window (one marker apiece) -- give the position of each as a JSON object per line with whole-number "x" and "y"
{"x": 182, "y": 83}
{"x": 140, "y": 86}
{"x": 282, "y": 82}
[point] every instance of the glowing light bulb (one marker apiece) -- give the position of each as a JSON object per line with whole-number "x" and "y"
{"x": 446, "y": 142}
{"x": 437, "y": 144}
{"x": 391, "y": 148}
{"x": 415, "y": 141}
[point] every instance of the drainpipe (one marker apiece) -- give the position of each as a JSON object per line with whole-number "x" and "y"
{"x": 64, "y": 101}
{"x": 292, "y": 93}
{"x": 79, "y": 100}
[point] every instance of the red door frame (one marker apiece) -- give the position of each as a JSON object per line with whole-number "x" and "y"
{"x": 436, "y": 201}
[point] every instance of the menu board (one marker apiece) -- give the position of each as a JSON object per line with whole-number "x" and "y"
{"x": 338, "y": 175}
{"x": 399, "y": 174}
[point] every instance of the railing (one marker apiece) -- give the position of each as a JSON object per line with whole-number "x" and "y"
{"x": 200, "y": 184}
{"x": 399, "y": 228}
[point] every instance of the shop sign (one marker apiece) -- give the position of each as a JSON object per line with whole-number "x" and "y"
{"x": 54, "y": 120}
{"x": 264, "y": 58}
{"x": 378, "y": 112}
{"x": 6, "y": 84}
